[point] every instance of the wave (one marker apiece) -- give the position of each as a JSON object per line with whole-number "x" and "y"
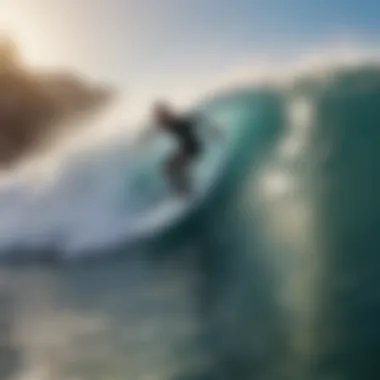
{"x": 287, "y": 237}
{"x": 100, "y": 192}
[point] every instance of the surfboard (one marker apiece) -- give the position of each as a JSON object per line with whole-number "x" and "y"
{"x": 173, "y": 208}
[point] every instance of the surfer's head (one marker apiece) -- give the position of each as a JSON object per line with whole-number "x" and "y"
{"x": 163, "y": 113}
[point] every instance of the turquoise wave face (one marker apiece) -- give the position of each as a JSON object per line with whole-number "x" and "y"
{"x": 246, "y": 121}
{"x": 288, "y": 238}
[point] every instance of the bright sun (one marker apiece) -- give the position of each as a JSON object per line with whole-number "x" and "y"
{"x": 30, "y": 25}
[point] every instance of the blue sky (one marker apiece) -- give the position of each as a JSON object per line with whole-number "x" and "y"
{"x": 172, "y": 47}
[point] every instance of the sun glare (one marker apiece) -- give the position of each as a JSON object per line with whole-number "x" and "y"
{"x": 31, "y": 26}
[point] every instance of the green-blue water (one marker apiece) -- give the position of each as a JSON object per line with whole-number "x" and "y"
{"x": 273, "y": 276}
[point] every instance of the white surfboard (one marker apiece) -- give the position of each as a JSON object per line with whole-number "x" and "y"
{"x": 169, "y": 211}
{"x": 166, "y": 213}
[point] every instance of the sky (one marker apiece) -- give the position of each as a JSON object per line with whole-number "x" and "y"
{"x": 176, "y": 48}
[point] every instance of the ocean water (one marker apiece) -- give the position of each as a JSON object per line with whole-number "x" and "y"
{"x": 273, "y": 275}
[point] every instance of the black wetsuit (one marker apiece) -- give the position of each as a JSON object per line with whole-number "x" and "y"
{"x": 184, "y": 130}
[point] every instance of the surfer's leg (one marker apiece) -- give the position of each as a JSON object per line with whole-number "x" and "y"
{"x": 170, "y": 170}
{"x": 184, "y": 182}
{"x": 177, "y": 173}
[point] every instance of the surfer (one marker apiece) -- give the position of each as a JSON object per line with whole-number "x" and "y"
{"x": 183, "y": 129}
